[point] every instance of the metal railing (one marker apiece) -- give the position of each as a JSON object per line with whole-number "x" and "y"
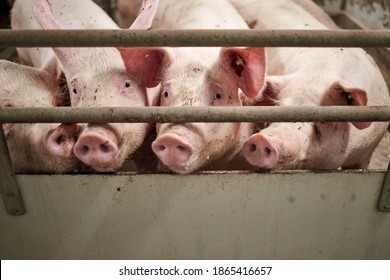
{"x": 187, "y": 38}
{"x": 195, "y": 114}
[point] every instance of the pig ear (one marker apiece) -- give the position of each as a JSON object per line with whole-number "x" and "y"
{"x": 53, "y": 71}
{"x": 270, "y": 94}
{"x": 44, "y": 14}
{"x": 248, "y": 66}
{"x": 145, "y": 18}
{"x": 344, "y": 94}
{"x": 145, "y": 64}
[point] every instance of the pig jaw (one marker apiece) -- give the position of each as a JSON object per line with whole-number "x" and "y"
{"x": 190, "y": 147}
{"x": 299, "y": 146}
{"x": 279, "y": 146}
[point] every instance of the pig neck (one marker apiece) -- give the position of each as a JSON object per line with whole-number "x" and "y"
{"x": 233, "y": 159}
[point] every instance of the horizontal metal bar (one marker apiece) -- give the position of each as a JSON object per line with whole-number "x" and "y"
{"x": 185, "y": 38}
{"x": 195, "y": 114}
{"x": 9, "y": 185}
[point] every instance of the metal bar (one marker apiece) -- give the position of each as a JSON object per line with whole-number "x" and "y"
{"x": 9, "y": 184}
{"x": 384, "y": 199}
{"x": 195, "y": 114}
{"x": 185, "y": 38}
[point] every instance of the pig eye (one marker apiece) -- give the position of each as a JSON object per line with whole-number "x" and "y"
{"x": 217, "y": 96}
{"x": 165, "y": 94}
{"x": 216, "y": 99}
{"x": 74, "y": 91}
{"x": 127, "y": 84}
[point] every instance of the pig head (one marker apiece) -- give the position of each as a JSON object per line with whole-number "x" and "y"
{"x": 98, "y": 77}
{"x": 345, "y": 78}
{"x": 40, "y": 147}
{"x": 200, "y": 77}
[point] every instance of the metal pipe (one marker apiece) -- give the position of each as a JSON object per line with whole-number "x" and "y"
{"x": 195, "y": 114}
{"x": 185, "y": 38}
{"x": 9, "y": 185}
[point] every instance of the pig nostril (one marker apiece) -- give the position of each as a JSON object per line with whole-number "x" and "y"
{"x": 104, "y": 148}
{"x": 267, "y": 152}
{"x": 252, "y": 147}
{"x": 60, "y": 139}
{"x": 84, "y": 150}
{"x": 181, "y": 148}
{"x": 161, "y": 148}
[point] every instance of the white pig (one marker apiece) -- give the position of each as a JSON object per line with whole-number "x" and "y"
{"x": 96, "y": 76}
{"x": 313, "y": 77}
{"x": 200, "y": 77}
{"x": 40, "y": 147}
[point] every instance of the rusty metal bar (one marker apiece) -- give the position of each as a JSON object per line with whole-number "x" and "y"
{"x": 9, "y": 184}
{"x": 186, "y": 38}
{"x": 195, "y": 114}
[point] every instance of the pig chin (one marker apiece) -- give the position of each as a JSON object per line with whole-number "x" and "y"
{"x": 179, "y": 152}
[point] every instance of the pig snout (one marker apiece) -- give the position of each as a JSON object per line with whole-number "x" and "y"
{"x": 174, "y": 151}
{"x": 62, "y": 140}
{"x": 97, "y": 147}
{"x": 259, "y": 151}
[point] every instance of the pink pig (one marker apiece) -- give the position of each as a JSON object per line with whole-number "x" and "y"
{"x": 40, "y": 147}
{"x": 313, "y": 77}
{"x": 200, "y": 77}
{"x": 96, "y": 77}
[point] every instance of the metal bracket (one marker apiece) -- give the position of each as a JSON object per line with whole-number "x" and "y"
{"x": 9, "y": 185}
{"x": 384, "y": 199}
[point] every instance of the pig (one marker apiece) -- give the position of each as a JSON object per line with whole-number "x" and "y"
{"x": 313, "y": 77}
{"x": 97, "y": 77}
{"x": 316, "y": 11}
{"x": 40, "y": 147}
{"x": 193, "y": 76}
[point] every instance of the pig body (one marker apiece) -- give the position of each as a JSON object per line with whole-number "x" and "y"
{"x": 201, "y": 77}
{"x": 316, "y": 11}
{"x": 97, "y": 77}
{"x": 40, "y": 147}
{"x": 87, "y": 15}
{"x": 313, "y": 77}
